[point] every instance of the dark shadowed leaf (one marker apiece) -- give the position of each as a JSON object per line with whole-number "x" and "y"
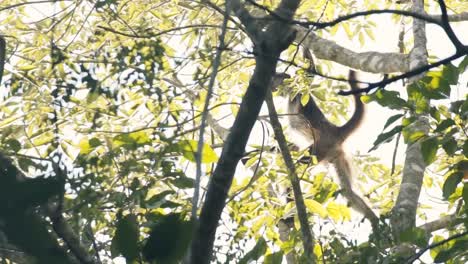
{"x": 386, "y": 137}
{"x": 463, "y": 65}
{"x": 416, "y": 236}
{"x": 13, "y": 145}
{"x": 390, "y": 99}
{"x": 392, "y": 119}
{"x": 274, "y": 258}
{"x": 429, "y": 149}
{"x": 451, "y": 183}
{"x": 183, "y": 182}
{"x": 450, "y": 146}
{"x": 450, "y": 73}
{"x": 444, "y": 125}
{"x": 156, "y": 200}
{"x": 125, "y": 240}
{"x": 457, "y": 248}
{"x": 169, "y": 239}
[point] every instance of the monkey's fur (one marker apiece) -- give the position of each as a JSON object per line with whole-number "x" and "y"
{"x": 327, "y": 139}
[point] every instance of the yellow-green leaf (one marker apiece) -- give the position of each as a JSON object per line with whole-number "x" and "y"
{"x": 315, "y": 207}
{"x": 26, "y": 67}
{"x": 189, "y": 149}
{"x": 305, "y": 99}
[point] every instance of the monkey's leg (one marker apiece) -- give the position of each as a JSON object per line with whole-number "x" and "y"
{"x": 344, "y": 175}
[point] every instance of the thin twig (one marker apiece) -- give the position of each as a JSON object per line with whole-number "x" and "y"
{"x": 434, "y": 245}
{"x": 408, "y": 74}
{"x": 199, "y": 154}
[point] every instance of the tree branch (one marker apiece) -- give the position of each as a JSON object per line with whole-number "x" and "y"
{"x": 447, "y": 28}
{"x": 295, "y": 182}
{"x": 403, "y": 215}
{"x": 443, "y": 222}
{"x": 375, "y": 62}
{"x": 275, "y": 38}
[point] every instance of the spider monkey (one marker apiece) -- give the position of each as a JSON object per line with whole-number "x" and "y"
{"x": 309, "y": 121}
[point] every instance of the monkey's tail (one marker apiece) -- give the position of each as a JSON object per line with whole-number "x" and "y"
{"x": 358, "y": 114}
{"x": 343, "y": 171}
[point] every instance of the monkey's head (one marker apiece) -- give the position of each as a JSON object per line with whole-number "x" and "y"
{"x": 278, "y": 79}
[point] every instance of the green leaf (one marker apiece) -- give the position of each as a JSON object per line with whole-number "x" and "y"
{"x": 27, "y": 67}
{"x": 13, "y": 144}
{"x": 429, "y": 149}
{"x": 392, "y": 119}
{"x": 435, "y": 113}
{"x": 462, "y": 165}
{"x": 156, "y": 200}
{"x": 189, "y": 150}
{"x": 450, "y": 146}
{"x": 416, "y": 236}
{"x": 412, "y": 136}
{"x": 131, "y": 140}
{"x": 458, "y": 247}
{"x": 386, "y": 137}
{"x": 338, "y": 212}
{"x": 455, "y": 106}
{"x": 168, "y": 240}
{"x": 126, "y": 237}
{"x": 305, "y": 99}
{"x": 170, "y": 204}
{"x": 95, "y": 142}
{"x": 444, "y": 125}
{"x": 463, "y": 65}
{"x": 450, "y": 184}
{"x": 390, "y": 99}
{"x": 274, "y": 258}
{"x": 407, "y": 121}
{"x": 315, "y": 207}
{"x": 183, "y": 182}
{"x": 43, "y": 139}
{"x": 450, "y": 73}
{"x": 254, "y": 254}
{"x": 434, "y": 86}
{"x": 87, "y": 146}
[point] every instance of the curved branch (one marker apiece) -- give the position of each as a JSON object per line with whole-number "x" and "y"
{"x": 443, "y": 222}
{"x": 375, "y": 62}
